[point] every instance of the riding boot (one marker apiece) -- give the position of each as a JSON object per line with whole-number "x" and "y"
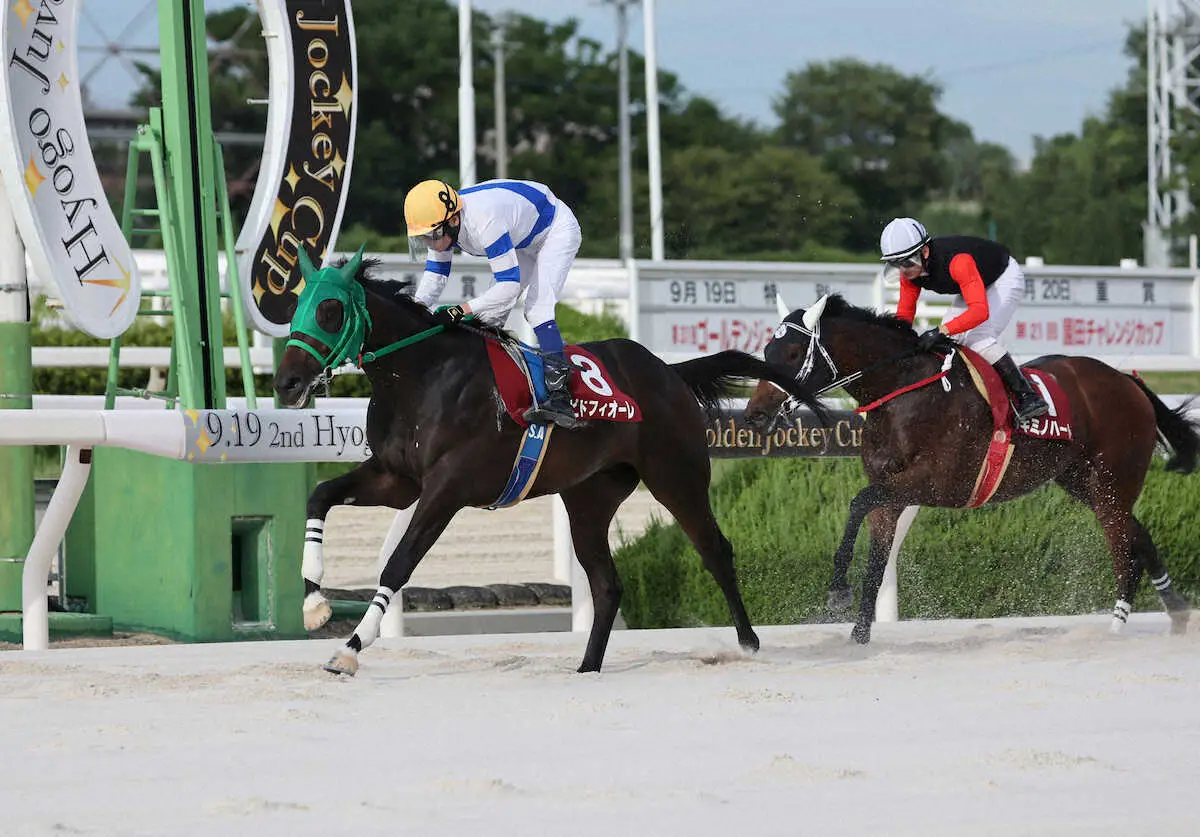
{"x": 1027, "y": 403}
{"x": 556, "y": 407}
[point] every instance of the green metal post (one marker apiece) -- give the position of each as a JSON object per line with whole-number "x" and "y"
{"x": 16, "y": 387}
{"x": 188, "y": 144}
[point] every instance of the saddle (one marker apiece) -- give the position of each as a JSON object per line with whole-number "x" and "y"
{"x": 1056, "y": 424}
{"x": 519, "y": 380}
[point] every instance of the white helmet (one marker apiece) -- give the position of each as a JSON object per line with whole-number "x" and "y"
{"x": 902, "y": 237}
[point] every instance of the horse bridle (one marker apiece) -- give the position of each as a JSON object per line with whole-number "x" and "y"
{"x": 815, "y": 347}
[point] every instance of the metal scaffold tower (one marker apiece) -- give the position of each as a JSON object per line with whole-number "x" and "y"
{"x": 1172, "y": 85}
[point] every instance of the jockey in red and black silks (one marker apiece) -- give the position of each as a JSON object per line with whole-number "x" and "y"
{"x": 987, "y": 283}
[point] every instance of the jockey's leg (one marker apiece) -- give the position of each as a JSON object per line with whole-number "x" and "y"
{"x": 1003, "y": 295}
{"x": 549, "y": 269}
{"x": 366, "y": 485}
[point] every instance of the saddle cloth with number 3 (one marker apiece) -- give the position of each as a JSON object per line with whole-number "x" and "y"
{"x": 593, "y": 394}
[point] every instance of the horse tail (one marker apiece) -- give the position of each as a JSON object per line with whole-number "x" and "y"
{"x": 718, "y": 376}
{"x": 1181, "y": 433}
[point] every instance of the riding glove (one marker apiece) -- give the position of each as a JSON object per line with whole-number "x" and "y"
{"x": 448, "y": 314}
{"x": 930, "y": 339}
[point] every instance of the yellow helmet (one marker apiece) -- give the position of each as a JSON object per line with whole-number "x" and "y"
{"x": 428, "y": 204}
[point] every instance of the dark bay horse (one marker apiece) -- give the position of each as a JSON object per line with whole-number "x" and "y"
{"x": 439, "y": 433}
{"x": 925, "y": 446}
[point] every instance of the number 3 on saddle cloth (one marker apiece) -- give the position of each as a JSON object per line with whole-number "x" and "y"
{"x": 1055, "y": 424}
{"x": 519, "y": 379}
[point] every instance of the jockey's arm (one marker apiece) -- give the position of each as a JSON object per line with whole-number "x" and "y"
{"x": 493, "y": 305}
{"x": 965, "y": 273}
{"x": 906, "y": 308}
{"x": 433, "y": 280}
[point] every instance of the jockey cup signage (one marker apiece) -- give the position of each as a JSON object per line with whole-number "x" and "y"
{"x": 49, "y": 175}
{"x": 303, "y": 183}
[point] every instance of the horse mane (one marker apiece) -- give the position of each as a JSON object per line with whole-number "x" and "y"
{"x": 400, "y": 293}
{"x": 837, "y": 306}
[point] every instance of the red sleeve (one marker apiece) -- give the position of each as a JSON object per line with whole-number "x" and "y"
{"x": 906, "y": 309}
{"x": 964, "y": 271}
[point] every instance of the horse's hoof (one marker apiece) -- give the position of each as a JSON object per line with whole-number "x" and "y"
{"x": 861, "y": 634}
{"x": 343, "y": 662}
{"x": 1179, "y": 622}
{"x": 317, "y": 611}
{"x": 1116, "y": 626}
{"x": 749, "y": 642}
{"x": 840, "y": 601}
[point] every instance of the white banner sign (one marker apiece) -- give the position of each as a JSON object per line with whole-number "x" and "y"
{"x": 69, "y": 231}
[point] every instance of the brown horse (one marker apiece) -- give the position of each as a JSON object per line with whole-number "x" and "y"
{"x": 439, "y": 433}
{"x": 924, "y": 447}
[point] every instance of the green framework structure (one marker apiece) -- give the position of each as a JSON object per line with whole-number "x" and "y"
{"x": 198, "y": 552}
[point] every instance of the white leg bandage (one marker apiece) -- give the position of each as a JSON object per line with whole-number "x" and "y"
{"x": 312, "y": 568}
{"x": 368, "y": 629}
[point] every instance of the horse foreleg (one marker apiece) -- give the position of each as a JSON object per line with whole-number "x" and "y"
{"x": 882, "y": 524}
{"x": 841, "y": 598}
{"x": 366, "y": 485}
{"x": 433, "y": 514}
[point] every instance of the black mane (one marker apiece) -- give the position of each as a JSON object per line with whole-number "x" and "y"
{"x": 837, "y": 306}
{"x": 401, "y": 293}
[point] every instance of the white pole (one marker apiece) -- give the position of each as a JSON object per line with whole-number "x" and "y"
{"x": 499, "y": 94}
{"x": 625, "y": 143}
{"x": 564, "y": 552}
{"x": 887, "y": 607}
{"x": 466, "y": 98}
{"x": 392, "y": 623}
{"x": 653, "y": 145}
{"x": 35, "y": 630}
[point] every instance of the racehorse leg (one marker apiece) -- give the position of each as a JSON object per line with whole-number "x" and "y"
{"x": 881, "y": 522}
{"x": 1177, "y": 606}
{"x": 841, "y": 598}
{"x": 684, "y": 492}
{"x": 367, "y": 485}
{"x": 1091, "y": 485}
{"x": 590, "y": 507}
{"x": 432, "y": 516}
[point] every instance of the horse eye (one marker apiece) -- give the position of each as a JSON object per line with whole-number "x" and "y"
{"x": 329, "y": 316}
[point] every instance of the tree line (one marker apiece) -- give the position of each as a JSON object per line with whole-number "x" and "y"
{"x": 856, "y": 144}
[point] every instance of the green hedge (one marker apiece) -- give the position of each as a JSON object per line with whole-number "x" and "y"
{"x": 1040, "y": 554}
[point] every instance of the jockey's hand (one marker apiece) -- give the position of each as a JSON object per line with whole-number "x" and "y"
{"x": 930, "y": 339}
{"x": 448, "y": 314}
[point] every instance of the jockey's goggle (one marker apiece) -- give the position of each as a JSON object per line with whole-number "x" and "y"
{"x": 913, "y": 260}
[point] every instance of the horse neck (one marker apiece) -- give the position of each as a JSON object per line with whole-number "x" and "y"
{"x": 862, "y": 345}
{"x": 392, "y": 322}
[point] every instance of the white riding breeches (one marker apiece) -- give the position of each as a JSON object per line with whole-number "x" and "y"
{"x": 1002, "y": 296}
{"x": 545, "y": 266}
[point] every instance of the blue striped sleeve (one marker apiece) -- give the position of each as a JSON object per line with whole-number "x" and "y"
{"x": 440, "y": 267}
{"x": 500, "y": 246}
{"x": 513, "y": 274}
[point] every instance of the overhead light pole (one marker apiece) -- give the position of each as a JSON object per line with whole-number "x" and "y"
{"x": 466, "y": 97}
{"x": 653, "y": 144}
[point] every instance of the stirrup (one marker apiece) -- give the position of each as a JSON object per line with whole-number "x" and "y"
{"x": 1036, "y": 409}
{"x": 541, "y": 414}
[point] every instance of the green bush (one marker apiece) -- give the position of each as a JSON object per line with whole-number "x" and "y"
{"x": 1040, "y": 554}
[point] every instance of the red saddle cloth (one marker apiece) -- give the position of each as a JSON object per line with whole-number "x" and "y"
{"x": 1055, "y": 424}
{"x": 593, "y": 394}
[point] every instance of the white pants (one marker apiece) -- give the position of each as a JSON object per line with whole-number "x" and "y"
{"x": 1002, "y": 296}
{"x": 544, "y": 267}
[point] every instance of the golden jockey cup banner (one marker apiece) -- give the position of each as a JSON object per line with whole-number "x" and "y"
{"x": 305, "y": 174}
{"x": 50, "y": 177}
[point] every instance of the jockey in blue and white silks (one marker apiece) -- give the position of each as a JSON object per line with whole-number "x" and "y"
{"x": 529, "y": 238}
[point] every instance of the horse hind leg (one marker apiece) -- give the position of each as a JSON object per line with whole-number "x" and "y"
{"x": 1176, "y": 605}
{"x": 590, "y": 507}
{"x": 685, "y": 495}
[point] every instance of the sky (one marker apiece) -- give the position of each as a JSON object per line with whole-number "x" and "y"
{"x": 1011, "y": 69}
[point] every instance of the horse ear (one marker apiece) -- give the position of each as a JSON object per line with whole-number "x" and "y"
{"x": 781, "y": 306}
{"x": 350, "y": 269}
{"x": 306, "y": 265}
{"x": 813, "y": 315}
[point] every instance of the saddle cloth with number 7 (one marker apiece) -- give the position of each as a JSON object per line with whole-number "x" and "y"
{"x": 593, "y": 394}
